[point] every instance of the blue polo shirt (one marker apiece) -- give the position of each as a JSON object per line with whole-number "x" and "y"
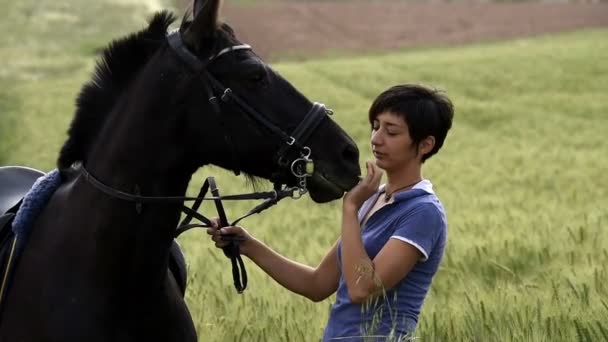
{"x": 416, "y": 217}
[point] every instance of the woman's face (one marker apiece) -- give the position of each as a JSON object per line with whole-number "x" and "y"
{"x": 391, "y": 142}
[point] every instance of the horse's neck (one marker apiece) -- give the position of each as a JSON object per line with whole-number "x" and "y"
{"x": 139, "y": 148}
{"x": 134, "y": 151}
{"x": 141, "y": 238}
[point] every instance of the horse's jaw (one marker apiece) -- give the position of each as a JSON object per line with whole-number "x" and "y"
{"x": 323, "y": 189}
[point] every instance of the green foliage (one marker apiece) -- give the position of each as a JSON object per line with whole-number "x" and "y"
{"x": 48, "y": 50}
{"x": 521, "y": 175}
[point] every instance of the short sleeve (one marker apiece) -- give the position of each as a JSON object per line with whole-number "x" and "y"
{"x": 420, "y": 228}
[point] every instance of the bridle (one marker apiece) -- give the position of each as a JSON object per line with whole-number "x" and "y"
{"x": 301, "y": 167}
{"x": 213, "y": 86}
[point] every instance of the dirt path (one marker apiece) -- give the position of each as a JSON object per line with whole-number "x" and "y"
{"x": 306, "y": 29}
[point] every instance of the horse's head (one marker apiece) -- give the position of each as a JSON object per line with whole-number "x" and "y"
{"x": 258, "y": 122}
{"x": 199, "y": 96}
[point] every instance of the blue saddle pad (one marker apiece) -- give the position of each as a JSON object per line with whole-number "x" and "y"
{"x": 13, "y": 241}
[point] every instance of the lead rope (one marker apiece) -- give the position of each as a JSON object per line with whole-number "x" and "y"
{"x": 301, "y": 168}
{"x": 232, "y": 250}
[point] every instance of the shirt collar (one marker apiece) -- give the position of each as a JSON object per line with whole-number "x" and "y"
{"x": 424, "y": 185}
{"x": 421, "y": 188}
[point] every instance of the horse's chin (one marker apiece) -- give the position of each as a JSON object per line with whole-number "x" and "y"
{"x": 323, "y": 190}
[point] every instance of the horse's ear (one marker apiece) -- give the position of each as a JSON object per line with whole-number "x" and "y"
{"x": 204, "y": 24}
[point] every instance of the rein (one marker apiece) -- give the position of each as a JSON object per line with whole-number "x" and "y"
{"x": 231, "y": 251}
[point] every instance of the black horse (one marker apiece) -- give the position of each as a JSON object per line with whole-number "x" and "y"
{"x": 159, "y": 106}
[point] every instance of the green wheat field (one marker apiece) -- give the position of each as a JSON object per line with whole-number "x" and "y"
{"x": 522, "y": 175}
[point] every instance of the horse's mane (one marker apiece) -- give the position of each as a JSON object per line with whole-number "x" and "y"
{"x": 121, "y": 60}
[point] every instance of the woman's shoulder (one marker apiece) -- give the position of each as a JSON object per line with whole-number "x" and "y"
{"x": 420, "y": 200}
{"x": 426, "y": 210}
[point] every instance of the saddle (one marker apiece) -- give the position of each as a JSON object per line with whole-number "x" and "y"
{"x": 15, "y": 183}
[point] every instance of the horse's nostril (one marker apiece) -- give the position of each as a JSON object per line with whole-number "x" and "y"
{"x": 350, "y": 153}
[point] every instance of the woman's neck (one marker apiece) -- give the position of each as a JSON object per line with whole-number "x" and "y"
{"x": 401, "y": 179}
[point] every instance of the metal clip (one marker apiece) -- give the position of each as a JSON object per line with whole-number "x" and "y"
{"x": 226, "y": 95}
{"x": 307, "y": 153}
{"x": 309, "y": 166}
{"x": 296, "y": 167}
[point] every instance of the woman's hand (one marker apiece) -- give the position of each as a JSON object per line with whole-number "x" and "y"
{"x": 246, "y": 240}
{"x": 355, "y": 198}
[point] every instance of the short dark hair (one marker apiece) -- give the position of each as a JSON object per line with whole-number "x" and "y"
{"x": 426, "y": 111}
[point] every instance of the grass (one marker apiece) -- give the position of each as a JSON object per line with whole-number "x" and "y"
{"x": 48, "y": 49}
{"x": 521, "y": 176}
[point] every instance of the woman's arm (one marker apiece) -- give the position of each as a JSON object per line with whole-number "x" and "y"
{"x": 365, "y": 277}
{"x": 315, "y": 284}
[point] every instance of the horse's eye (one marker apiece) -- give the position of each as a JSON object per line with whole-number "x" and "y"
{"x": 258, "y": 77}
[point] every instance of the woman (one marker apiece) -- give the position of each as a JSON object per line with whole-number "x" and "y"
{"x": 393, "y": 236}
